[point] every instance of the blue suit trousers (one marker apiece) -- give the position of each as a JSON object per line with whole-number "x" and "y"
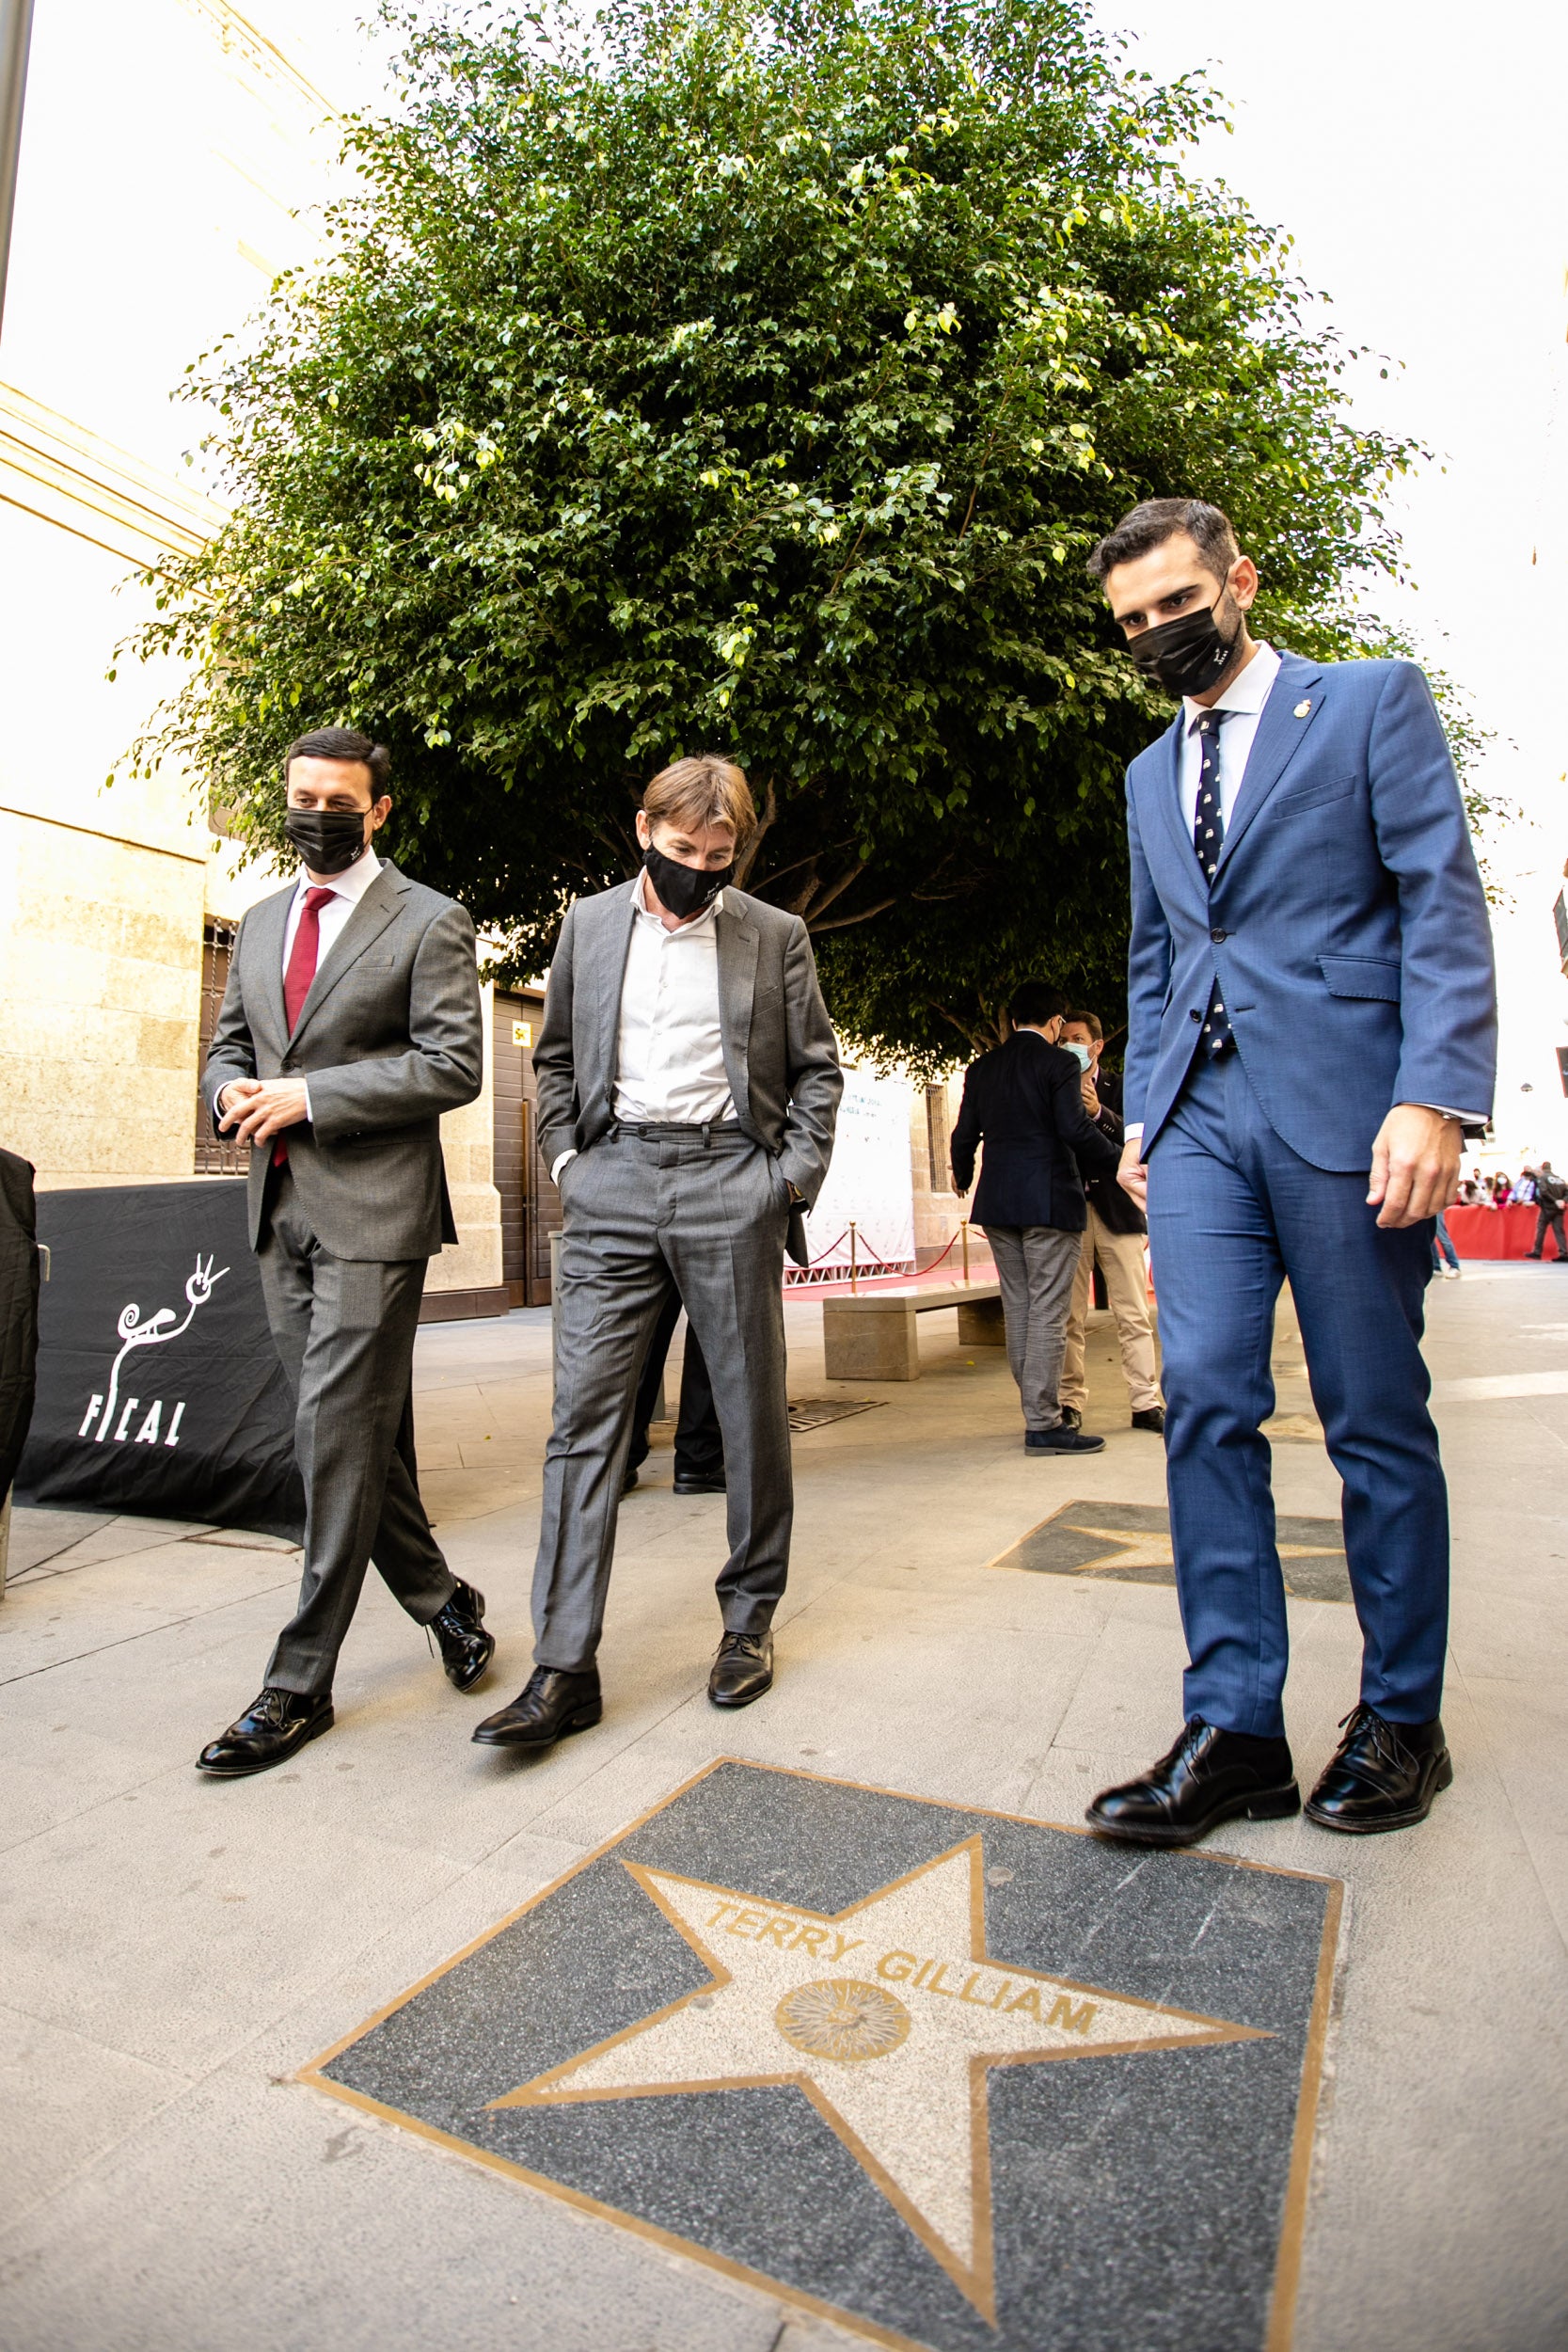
{"x": 1233, "y": 1211}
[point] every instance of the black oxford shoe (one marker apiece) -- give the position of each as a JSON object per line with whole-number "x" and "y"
{"x": 1384, "y": 1776}
{"x": 1072, "y": 1416}
{"x": 1152, "y": 1417}
{"x": 467, "y": 1649}
{"x": 742, "y": 1670}
{"x": 271, "y": 1728}
{"x": 1065, "y": 1438}
{"x": 1210, "y": 1776}
{"x": 691, "y": 1482}
{"x": 550, "y": 1704}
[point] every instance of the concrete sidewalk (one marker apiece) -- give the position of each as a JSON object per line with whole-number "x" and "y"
{"x": 172, "y": 1950}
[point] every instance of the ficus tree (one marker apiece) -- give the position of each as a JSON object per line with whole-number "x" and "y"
{"x": 757, "y": 375}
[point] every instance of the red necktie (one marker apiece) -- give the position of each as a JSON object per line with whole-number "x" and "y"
{"x": 298, "y": 977}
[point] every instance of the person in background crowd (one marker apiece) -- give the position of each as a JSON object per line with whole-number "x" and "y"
{"x": 1524, "y": 1190}
{"x": 1026, "y": 1100}
{"x": 1467, "y": 1192}
{"x": 1313, "y": 1026}
{"x": 1502, "y": 1191}
{"x": 689, "y": 1087}
{"x": 699, "y": 1440}
{"x": 1551, "y": 1194}
{"x": 1442, "y": 1247}
{"x": 351, "y": 1022}
{"x": 1115, "y": 1235}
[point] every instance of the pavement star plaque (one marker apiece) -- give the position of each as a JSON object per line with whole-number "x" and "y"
{"x": 953, "y": 2077}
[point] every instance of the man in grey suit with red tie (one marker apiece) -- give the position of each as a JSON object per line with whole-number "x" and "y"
{"x": 350, "y": 1022}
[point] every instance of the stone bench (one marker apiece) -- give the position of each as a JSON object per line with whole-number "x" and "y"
{"x": 872, "y": 1335}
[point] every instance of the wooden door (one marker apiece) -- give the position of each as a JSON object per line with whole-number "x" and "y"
{"x": 530, "y": 1206}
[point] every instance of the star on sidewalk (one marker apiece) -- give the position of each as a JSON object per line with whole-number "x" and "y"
{"x": 1139, "y": 1549}
{"x": 888, "y": 2016}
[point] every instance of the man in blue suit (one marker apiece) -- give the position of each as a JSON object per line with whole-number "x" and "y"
{"x": 1312, "y": 1025}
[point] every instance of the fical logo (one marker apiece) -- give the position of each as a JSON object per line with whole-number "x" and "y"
{"x": 113, "y": 1419}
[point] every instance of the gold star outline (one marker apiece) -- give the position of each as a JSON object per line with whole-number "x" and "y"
{"x": 914, "y": 2114}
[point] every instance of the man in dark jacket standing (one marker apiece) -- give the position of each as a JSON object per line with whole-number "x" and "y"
{"x": 1115, "y": 1234}
{"x": 1024, "y": 1100}
{"x": 1551, "y": 1194}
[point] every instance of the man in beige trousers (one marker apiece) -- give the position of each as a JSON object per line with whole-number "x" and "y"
{"x": 1116, "y": 1235}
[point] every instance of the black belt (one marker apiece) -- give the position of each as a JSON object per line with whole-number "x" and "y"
{"x": 711, "y": 1130}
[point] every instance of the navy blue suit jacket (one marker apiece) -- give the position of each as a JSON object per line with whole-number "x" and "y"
{"x": 1026, "y": 1100}
{"x": 1346, "y": 924}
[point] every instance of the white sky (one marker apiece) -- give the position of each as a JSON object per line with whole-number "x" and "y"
{"x": 1416, "y": 151}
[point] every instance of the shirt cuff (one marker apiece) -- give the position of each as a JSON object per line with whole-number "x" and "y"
{"x": 309, "y": 1112}
{"x": 1133, "y": 1134}
{"x": 1467, "y": 1118}
{"x": 558, "y": 1162}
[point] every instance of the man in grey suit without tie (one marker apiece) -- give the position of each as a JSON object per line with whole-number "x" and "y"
{"x": 350, "y": 1022}
{"x": 689, "y": 1083}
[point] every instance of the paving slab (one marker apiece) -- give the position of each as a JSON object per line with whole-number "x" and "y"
{"x": 152, "y": 2028}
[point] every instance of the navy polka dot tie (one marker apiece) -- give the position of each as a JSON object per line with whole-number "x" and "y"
{"x": 1209, "y": 841}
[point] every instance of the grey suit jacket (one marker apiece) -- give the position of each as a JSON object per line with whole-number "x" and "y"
{"x": 780, "y": 1053}
{"x": 389, "y": 1036}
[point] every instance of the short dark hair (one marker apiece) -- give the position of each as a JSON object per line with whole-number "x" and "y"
{"x": 1034, "y": 1005}
{"x": 347, "y": 744}
{"x": 1154, "y": 521}
{"x": 1089, "y": 1021}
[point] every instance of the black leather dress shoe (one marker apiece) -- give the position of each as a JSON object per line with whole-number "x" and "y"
{"x": 550, "y": 1704}
{"x": 1062, "y": 1439}
{"x": 628, "y": 1482}
{"x": 271, "y": 1728}
{"x": 1072, "y": 1416}
{"x": 687, "y": 1485}
{"x": 742, "y": 1670}
{"x": 1210, "y": 1776}
{"x": 1152, "y": 1417}
{"x": 467, "y": 1649}
{"x": 1384, "y": 1776}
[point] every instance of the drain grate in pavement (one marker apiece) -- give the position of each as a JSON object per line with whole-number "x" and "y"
{"x": 806, "y": 1412}
{"x": 1131, "y": 1542}
{"x": 815, "y": 1412}
{"x": 958, "y": 2080}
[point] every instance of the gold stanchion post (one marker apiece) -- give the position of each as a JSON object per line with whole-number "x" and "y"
{"x": 963, "y": 1228}
{"x": 851, "y": 1253}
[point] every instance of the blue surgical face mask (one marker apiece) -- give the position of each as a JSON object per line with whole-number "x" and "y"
{"x": 1079, "y": 1053}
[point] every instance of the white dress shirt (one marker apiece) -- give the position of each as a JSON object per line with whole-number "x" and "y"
{"x": 347, "y": 889}
{"x": 670, "y": 1047}
{"x": 1245, "y": 695}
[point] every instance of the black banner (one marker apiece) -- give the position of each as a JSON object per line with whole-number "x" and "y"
{"x": 159, "y": 1389}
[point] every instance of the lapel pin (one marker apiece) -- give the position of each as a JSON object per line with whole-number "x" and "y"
{"x": 1301, "y": 709}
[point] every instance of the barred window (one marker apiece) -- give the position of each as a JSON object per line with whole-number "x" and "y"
{"x": 215, "y": 1154}
{"x": 939, "y": 1136}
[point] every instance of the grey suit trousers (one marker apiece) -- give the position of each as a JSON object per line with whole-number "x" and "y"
{"x": 344, "y": 1328}
{"x": 1035, "y": 1266}
{"x": 641, "y": 1206}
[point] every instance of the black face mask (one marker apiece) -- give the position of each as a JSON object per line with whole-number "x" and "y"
{"x": 684, "y": 889}
{"x": 328, "y": 839}
{"x": 1188, "y": 655}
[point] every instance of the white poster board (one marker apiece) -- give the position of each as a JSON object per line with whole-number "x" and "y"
{"x": 870, "y": 1179}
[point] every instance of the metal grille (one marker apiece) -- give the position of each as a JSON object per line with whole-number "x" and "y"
{"x": 215, "y": 1154}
